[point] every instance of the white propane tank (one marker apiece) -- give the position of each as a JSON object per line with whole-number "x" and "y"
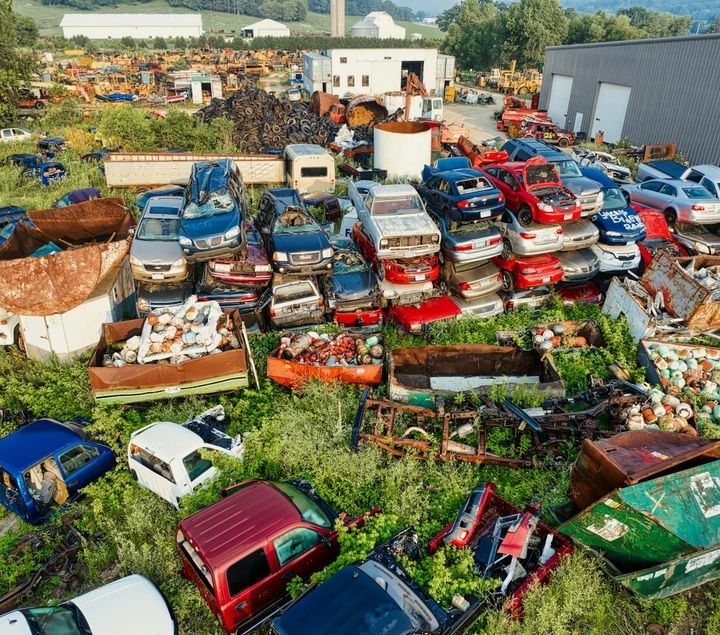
{"x": 402, "y": 148}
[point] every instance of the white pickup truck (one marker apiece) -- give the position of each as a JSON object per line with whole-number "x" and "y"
{"x": 395, "y": 221}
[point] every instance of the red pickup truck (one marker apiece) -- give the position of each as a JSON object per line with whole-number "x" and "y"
{"x": 242, "y": 551}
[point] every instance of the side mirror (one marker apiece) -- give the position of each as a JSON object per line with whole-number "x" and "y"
{"x": 326, "y": 541}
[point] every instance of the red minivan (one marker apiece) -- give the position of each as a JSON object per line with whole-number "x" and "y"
{"x": 242, "y": 551}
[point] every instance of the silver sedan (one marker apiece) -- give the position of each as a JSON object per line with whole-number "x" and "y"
{"x": 579, "y": 234}
{"x": 528, "y": 241}
{"x": 682, "y": 201}
{"x": 578, "y": 266}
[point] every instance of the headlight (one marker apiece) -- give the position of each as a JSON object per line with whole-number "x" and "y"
{"x": 544, "y": 207}
{"x": 701, "y": 248}
{"x": 600, "y": 197}
{"x": 435, "y": 238}
{"x": 143, "y": 305}
{"x": 180, "y": 262}
{"x": 263, "y": 268}
{"x": 185, "y": 241}
{"x": 384, "y": 243}
{"x": 136, "y": 262}
{"x": 415, "y": 327}
{"x": 280, "y": 256}
{"x": 327, "y": 253}
{"x": 231, "y": 233}
{"x": 607, "y": 256}
{"x": 613, "y": 234}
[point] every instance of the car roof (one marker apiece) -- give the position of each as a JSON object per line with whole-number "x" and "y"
{"x": 712, "y": 171}
{"x": 239, "y": 522}
{"x": 167, "y": 440}
{"x": 33, "y": 443}
{"x": 171, "y": 206}
{"x": 459, "y": 175}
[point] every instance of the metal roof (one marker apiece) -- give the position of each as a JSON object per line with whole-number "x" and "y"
{"x": 113, "y": 20}
{"x": 167, "y": 440}
{"x": 654, "y": 40}
{"x": 32, "y": 443}
{"x": 266, "y": 23}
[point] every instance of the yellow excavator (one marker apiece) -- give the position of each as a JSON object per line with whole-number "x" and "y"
{"x": 519, "y": 83}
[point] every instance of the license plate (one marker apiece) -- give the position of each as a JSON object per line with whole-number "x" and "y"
{"x": 410, "y": 254}
{"x": 546, "y": 279}
{"x": 420, "y": 277}
{"x": 157, "y": 276}
{"x": 223, "y": 268}
{"x": 567, "y": 216}
{"x": 485, "y": 214}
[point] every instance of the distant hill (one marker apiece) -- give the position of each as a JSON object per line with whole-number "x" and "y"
{"x": 699, "y": 9}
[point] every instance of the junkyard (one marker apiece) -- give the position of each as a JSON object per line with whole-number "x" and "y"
{"x": 353, "y": 339}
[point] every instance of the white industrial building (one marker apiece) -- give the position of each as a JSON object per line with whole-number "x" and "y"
{"x": 347, "y": 72}
{"x": 111, "y": 26}
{"x": 378, "y": 24}
{"x": 266, "y": 28}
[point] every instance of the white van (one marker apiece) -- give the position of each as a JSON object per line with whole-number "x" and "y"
{"x": 309, "y": 168}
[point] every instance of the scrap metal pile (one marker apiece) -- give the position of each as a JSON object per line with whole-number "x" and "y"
{"x": 332, "y": 349}
{"x": 708, "y": 277}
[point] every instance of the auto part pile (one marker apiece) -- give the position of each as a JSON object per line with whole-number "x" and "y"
{"x": 332, "y": 349}
{"x": 708, "y": 277}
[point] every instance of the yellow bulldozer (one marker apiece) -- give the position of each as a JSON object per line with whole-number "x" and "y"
{"x": 525, "y": 82}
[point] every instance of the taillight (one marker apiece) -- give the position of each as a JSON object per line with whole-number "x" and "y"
{"x": 462, "y": 247}
{"x": 527, "y": 235}
{"x": 465, "y": 286}
{"x": 527, "y": 270}
{"x": 698, "y": 208}
{"x": 495, "y": 241}
{"x": 321, "y": 302}
{"x": 272, "y": 312}
{"x": 510, "y": 305}
{"x": 463, "y": 204}
{"x": 559, "y": 231}
{"x": 501, "y": 198}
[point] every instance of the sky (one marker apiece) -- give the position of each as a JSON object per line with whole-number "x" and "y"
{"x": 432, "y": 7}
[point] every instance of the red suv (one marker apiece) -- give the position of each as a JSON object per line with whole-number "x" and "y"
{"x": 242, "y": 551}
{"x": 534, "y": 192}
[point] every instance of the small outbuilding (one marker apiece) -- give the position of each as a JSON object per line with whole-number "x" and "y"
{"x": 378, "y": 24}
{"x": 112, "y": 26}
{"x": 266, "y": 28}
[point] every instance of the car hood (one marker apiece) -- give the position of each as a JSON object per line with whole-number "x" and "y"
{"x": 580, "y": 185}
{"x": 580, "y": 258}
{"x": 14, "y": 623}
{"x": 129, "y": 605}
{"x": 165, "y": 294}
{"x": 156, "y": 251}
{"x": 618, "y": 220}
{"x": 354, "y": 286}
{"x": 579, "y": 229}
{"x": 405, "y": 224}
{"x": 306, "y": 241}
{"x": 210, "y": 226}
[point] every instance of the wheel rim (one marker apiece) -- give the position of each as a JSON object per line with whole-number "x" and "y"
{"x": 507, "y": 281}
{"x": 525, "y": 217}
{"x": 507, "y": 250}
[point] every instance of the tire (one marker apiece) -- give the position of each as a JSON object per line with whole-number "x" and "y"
{"x": 524, "y": 216}
{"x": 39, "y": 105}
{"x": 563, "y": 143}
{"x": 507, "y": 251}
{"x": 670, "y": 216}
{"x": 19, "y": 340}
{"x": 508, "y": 284}
{"x": 134, "y": 475}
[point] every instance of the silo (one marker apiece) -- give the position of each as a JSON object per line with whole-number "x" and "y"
{"x": 402, "y": 148}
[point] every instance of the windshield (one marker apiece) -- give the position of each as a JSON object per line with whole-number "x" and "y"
{"x": 294, "y": 221}
{"x": 309, "y": 510}
{"x": 614, "y": 199}
{"x": 348, "y": 262}
{"x": 567, "y": 168}
{"x": 159, "y": 229}
{"x": 294, "y": 292}
{"x": 470, "y": 228}
{"x": 409, "y": 203}
{"x": 696, "y": 192}
{"x": 472, "y": 185}
{"x": 218, "y": 203}
{"x": 52, "y": 620}
{"x": 196, "y": 465}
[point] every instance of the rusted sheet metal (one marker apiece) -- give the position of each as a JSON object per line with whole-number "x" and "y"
{"x": 94, "y": 236}
{"x": 684, "y": 297}
{"x": 364, "y": 110}
{"x": 293, "y": 374}
{"x": 321, "y": 102}
{"x": 619, "y": 301}
{"x": 136, "y": 169}
{"x": 659, "y": 537}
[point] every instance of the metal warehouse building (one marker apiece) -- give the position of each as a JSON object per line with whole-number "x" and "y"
{"x": 104, "y": 26}
{"x": 647, "y": 91}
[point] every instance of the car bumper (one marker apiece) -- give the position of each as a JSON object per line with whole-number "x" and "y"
{"x": 227, "y": 248}
{"x": 533, "y": 248}
{"x": 552, "y": 218}
{"x": 408, "y": 252}
{"x": 614, "y": 265}
{"x": 576, "y": 275}
{"x": 392, "y": 291}
{"x": 578, "y": 244}
{"x": 174, "y": 275}
{"x": 588, "y": 209}
{"x": 527, "y": 281}
{"x": 489, "y": 306}
{"x": 359, "y": 318}
{"x": 479, "y": 213}
{"x": 299, "y": 319}
{"x": 395, "y": 277}
{"x": 625, "y": 239}
{"x": 492, "y": 285}
{"x": 322, "y": 267}
{"x": 699, "y": 218}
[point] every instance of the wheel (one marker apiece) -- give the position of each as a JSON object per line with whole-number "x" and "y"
{"x": 39, "y": 105}
{"x": 563, "y": 142}
{"x": 507, "y": 252}
{"x": 508, "y": 284}
{"x": 134, "y": 475}
{"x": 524, "y": 216}
{"x": 670, "y": 216}
{"x": 19, "y": 339}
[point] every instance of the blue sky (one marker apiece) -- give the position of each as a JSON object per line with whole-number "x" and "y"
{"x": 429, "y": 6}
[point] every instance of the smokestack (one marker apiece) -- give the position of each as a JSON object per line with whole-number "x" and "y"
{"x": 337, "y": 18}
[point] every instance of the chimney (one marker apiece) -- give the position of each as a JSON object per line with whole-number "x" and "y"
{"x": 337, "y": 18}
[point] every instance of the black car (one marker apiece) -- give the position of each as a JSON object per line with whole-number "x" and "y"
{"x": 294, "y": 240}
{"x": 149, "y": 296}
{"x": 278, "y": 198}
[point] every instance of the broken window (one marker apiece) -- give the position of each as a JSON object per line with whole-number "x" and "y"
{"x": 336, "y": 81}
{"x": 351, "y": 81}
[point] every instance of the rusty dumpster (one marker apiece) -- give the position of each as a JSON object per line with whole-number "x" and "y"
{"x": 291, "y": 374}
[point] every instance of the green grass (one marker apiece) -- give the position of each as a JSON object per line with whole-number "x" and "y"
{"x": 48, "y": 17}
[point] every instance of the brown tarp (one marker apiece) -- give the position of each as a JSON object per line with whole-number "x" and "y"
{"x": 59, "y": 282}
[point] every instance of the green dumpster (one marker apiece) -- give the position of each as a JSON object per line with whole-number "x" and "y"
{"x": 659, "y": 537}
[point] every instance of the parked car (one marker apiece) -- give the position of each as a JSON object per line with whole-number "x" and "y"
{"x": 155, "y": 253}
{"x": 707, "y": 176}
{"x": 250, "y": 267}
{"x": 24, "y": 160}
{"x": 46, "y": 173}
{"x": 525, "y": 272}
{"x": 679, "y": 200}
{"x": 242, "y": 551}
{"x": 352, "y": 292}
{"x": 46, "y": 464}
{"x": 617, "y": 258}
{"x": 416, "y": 318}
{"x": 152, "y": 295}
{"x": 579, "y": 234}
{"x": 534, "y": 298}
{"x": 462, "y": 195}
{"x": 296, "y": 302}
{"x": 471, "y": 280}
{"x": 549, "y": 132}
{"x": 579, "y": 265}
{"x": 165, "y": 457}
{"x": 164, "y": 190}
{"x": 275, "y": 199}
{"x": 50, "y": 146}
{"x": 294, "y": 94}
{"x": 667, "y": 169}
{"x": 528, "y": 241}
{"x": 10, "y": 329}
{"x": 697, "y": 239}
{"x": 324, "y": 207}
{"x": 487, "y": 305}
{"x": 245, "y": 299}
{"x": 214, "y": 211}
{"x": 574, "y": 177}
{"x": 605, "y": 162}
{"x": 78, "y": 196}
{"x": 394, "y": 219}
{"x": 128, "y": 605}
{"x": 587, "y": 292}
{"x": 10, "y": 135}
{"x": 618, "y": 221}
{"x": 534, "y": 193}
{"x": 657, "y": 237}
{"x": 468, "y": 242}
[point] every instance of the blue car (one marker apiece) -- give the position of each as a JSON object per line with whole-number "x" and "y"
{"x": 618, "y": 222}
{"x": 9, "y": 217}
{"x": 462, "y": 195}
{"x": 163, "y": 190}
{"x": 46, "y": 173}
{"x": 45, "y": 465}
{"x": 25, "y": 160}
{"x": 78, "y": 196}
{"x": 214, "y": 211}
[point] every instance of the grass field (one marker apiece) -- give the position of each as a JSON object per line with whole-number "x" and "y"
{"x": 48, "y": 17}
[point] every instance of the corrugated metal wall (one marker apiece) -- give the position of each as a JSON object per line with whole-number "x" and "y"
{"x": 675, "y": 85}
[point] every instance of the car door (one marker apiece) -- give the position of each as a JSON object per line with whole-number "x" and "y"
{"x": 80, "y": 465}
{"x": 431, "y": 191}
{"x": 300, "y": 551}
{"x": 10, "y": 495}
{"x": 248, "y": 586}
{"x": 512, "y": 196}
{"x": 666, "y": 195}
{"x": 647, "y": 193}
{"x": 710, "y": 187}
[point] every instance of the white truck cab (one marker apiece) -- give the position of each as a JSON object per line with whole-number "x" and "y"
{"x": 166, "y": 458}
{"x": 8, "y": 135}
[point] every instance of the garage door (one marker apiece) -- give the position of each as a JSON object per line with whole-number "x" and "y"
{"x": 560, "y": 98}
{"x": 610, "y": 108}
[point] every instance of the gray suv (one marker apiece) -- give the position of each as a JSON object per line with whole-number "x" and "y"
{"x": 588, "y": 192}
{"x": 155, "y": 253}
